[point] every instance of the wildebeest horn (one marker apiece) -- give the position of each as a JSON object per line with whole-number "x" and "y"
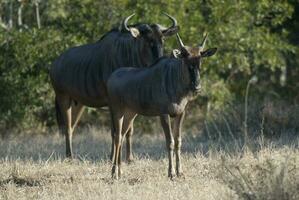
{"x": 180, "y": 41}
{"x": 202, "y": 46}
{"x": 174, "y": 22}
{"x": 125, "y": 23}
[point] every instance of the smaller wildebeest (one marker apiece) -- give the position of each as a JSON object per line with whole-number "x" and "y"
{"x": 164, "y": 90}
{"x": 79, "y": 75}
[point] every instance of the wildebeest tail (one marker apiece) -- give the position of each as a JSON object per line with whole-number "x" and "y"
{"x": 59, "y": 117}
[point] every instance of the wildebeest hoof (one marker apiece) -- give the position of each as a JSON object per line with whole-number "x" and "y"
{"x": 68, "y": 159}
{"x": 114, "y": 176}
{"x": 180, "y": 175}
{"x": 119, "y": 173}
{"x": 171, "y": 175}
{"x": 130, "y": 161}
{"x": 114, "y": 173}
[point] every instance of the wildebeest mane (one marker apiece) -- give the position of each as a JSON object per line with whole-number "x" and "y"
{"x": 156, "y": 61}
{"x": 142, "y": 27}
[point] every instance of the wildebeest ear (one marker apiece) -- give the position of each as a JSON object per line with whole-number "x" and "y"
{"x": 208, "y": 52}
{"x": 134, "y": 32}
{"x": 170, "y": 31}
{"x": 176, "y": 53}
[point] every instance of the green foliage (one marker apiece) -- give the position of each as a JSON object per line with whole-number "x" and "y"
{"x": 253, "y": 38}
{"x": 25, "y": 86}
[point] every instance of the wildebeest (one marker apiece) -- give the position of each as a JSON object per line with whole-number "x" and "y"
{"x": 80, "y": 74}
{"x": 162, "y": 89}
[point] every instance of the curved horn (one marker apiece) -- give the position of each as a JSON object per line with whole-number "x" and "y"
{"x": 174, "y": 22}
{"x": 125, "y": 23}
{"x": 180, "y": 41}
{"x": 202, "y": 46}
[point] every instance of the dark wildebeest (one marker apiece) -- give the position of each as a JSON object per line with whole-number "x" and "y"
{"x": 163, "y": 89}
{"x": 80, "y": 74}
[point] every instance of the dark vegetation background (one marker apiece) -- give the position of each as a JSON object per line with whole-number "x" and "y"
{"x": 257, "y": 41}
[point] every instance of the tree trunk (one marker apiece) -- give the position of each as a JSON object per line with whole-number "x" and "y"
{"x": 10, "y": 21}
{"x": 20, "y": 9}
{"x": 37, "y": 14}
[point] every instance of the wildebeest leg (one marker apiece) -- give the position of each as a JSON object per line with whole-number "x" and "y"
{"x": 64, "y": 103}
{"x": 77, "y": 111}
{"x": 112, "y": 137}
{"x": 129, "y": 144}
{"x": 117, "y": 123}
{"x": 128, "y": 138}
{"x": 165, "y": 122}
{"x": 177, "y": 128}
{"x": 127, "y": 124}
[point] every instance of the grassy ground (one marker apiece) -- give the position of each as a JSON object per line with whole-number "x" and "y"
{"x": 33, "y": 167}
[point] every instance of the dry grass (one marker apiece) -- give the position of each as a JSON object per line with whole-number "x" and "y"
{"x": 33, "y": 167}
